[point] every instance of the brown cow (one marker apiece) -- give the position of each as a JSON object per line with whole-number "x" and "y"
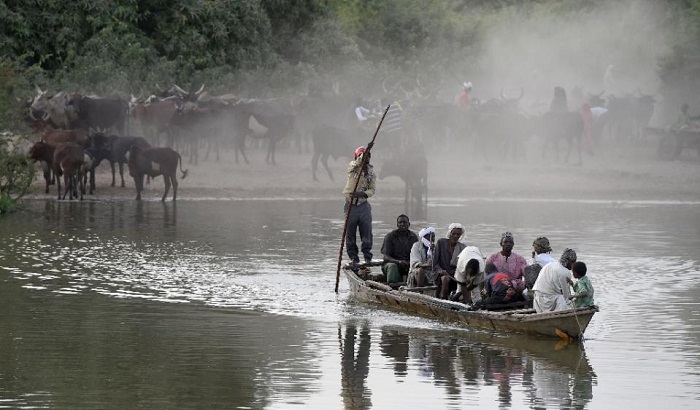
{"x": 155, "y": 117}
{"x": 43, "y": 152}
{"x": 154, "y": 162}
{"x": 55, "y": 136}
{"x": 70, "y": 161}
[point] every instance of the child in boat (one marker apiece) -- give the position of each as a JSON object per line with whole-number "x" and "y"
{"x": 583, "y": 288}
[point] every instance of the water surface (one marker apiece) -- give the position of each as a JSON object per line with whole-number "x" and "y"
{"x": 230, "y": 304}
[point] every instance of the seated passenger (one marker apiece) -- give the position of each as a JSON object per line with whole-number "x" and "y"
{"x": 583, "y": 288}
{"x": 540, "y": 253}
{"x": 509, "y": 262}
{"x": 470, "y": 274}
{"x": 530, "y": 277}
{"x": 498, "y": 288}
{"x": 397, "y": 250}
{"x": 490, "y": 270}
{"x": 422, "y": 258}
{"x": 551, "y": 288}
{"x": 447, "y": 251}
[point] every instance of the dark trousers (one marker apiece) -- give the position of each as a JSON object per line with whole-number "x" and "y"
{"x": 360, "y": 217}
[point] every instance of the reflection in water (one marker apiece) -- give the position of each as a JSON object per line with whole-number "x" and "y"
{"x": 354, "y": 358}
{"x": 540, "y": 373}
{"x": 395, "y": 345}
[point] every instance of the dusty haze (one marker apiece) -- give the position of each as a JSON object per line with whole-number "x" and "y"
{"x": 522, "y": 51}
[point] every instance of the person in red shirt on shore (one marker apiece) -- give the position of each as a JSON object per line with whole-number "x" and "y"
{"x": 465, "y": 97}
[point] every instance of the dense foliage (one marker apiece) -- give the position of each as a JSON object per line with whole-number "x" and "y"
{"x": 130, "y": 46}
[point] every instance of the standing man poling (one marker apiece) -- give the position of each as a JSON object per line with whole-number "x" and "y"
{"x": 362, "y": 175}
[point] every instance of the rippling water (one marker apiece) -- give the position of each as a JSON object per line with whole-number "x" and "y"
{"x": 230, "y": 304}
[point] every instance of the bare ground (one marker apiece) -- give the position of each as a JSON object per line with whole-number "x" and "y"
{"x": 619, "y": 174}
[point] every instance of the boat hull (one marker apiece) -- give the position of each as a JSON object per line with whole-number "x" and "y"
{"x": 571, "y": 322}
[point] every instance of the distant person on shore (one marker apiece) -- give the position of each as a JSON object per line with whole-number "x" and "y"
{"x": 465, "y": 97}
{"x": 685, "y": 120}
{"x": 552, "y": 291}
{"x": 559, "y": 102}
{"x": 583, "y": 288}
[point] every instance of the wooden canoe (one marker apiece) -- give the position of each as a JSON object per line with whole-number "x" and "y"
{"x": 563, "y": 323}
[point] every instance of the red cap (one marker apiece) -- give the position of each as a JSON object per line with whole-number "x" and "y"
{"x": 359, "y": 151}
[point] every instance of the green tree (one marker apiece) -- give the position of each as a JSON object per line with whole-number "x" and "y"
{"x": 16, "y": 173}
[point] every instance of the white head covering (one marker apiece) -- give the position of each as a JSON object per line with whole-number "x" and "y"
{"x": 426, "y": 242}
{"x": 455, "y": 225}
{"x": 467, "y": 85}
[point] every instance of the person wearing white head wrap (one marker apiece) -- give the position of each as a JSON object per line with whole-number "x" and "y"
{"x": 422, "y": 258}
{"x": 465, "y": 97}
{"x": 426, "y": 239}
{"x": 452, "y": 227}
{"x": 470, "y": 273}
{"x": 447, "y": 250}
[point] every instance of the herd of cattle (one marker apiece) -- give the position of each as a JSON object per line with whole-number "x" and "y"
{"x": 77, "y": 131}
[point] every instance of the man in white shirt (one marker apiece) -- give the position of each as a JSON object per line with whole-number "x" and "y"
{"x": 552, "y": 291}
{"x": 470, "y": 273}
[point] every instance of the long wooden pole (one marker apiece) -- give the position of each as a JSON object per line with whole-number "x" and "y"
{"x": 365, "y": 158}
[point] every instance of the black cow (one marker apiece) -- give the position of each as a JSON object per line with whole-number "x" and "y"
{"x": 100, "y": 113}
{"x": 629, "y": 115}
{"x": 412, "y": 167}
{"x": 237, "y": 122}
{"x": 154, "y": 162}
{"x": 112, "y": 148}
{"x": 274, "y": 114}
{"x": 119, "y": 147}
{"x": 555, "y": 127}
{"x": 332, "y": 142}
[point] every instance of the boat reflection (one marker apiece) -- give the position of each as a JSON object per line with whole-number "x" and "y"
{"x": 513, "y": 370}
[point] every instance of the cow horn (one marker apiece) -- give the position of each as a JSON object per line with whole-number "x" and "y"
{"x": 180, "y": 90}
{"x": 45, "y": 117}
{"x": 31, "y": 114}
{"x": 200, "y": 90}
